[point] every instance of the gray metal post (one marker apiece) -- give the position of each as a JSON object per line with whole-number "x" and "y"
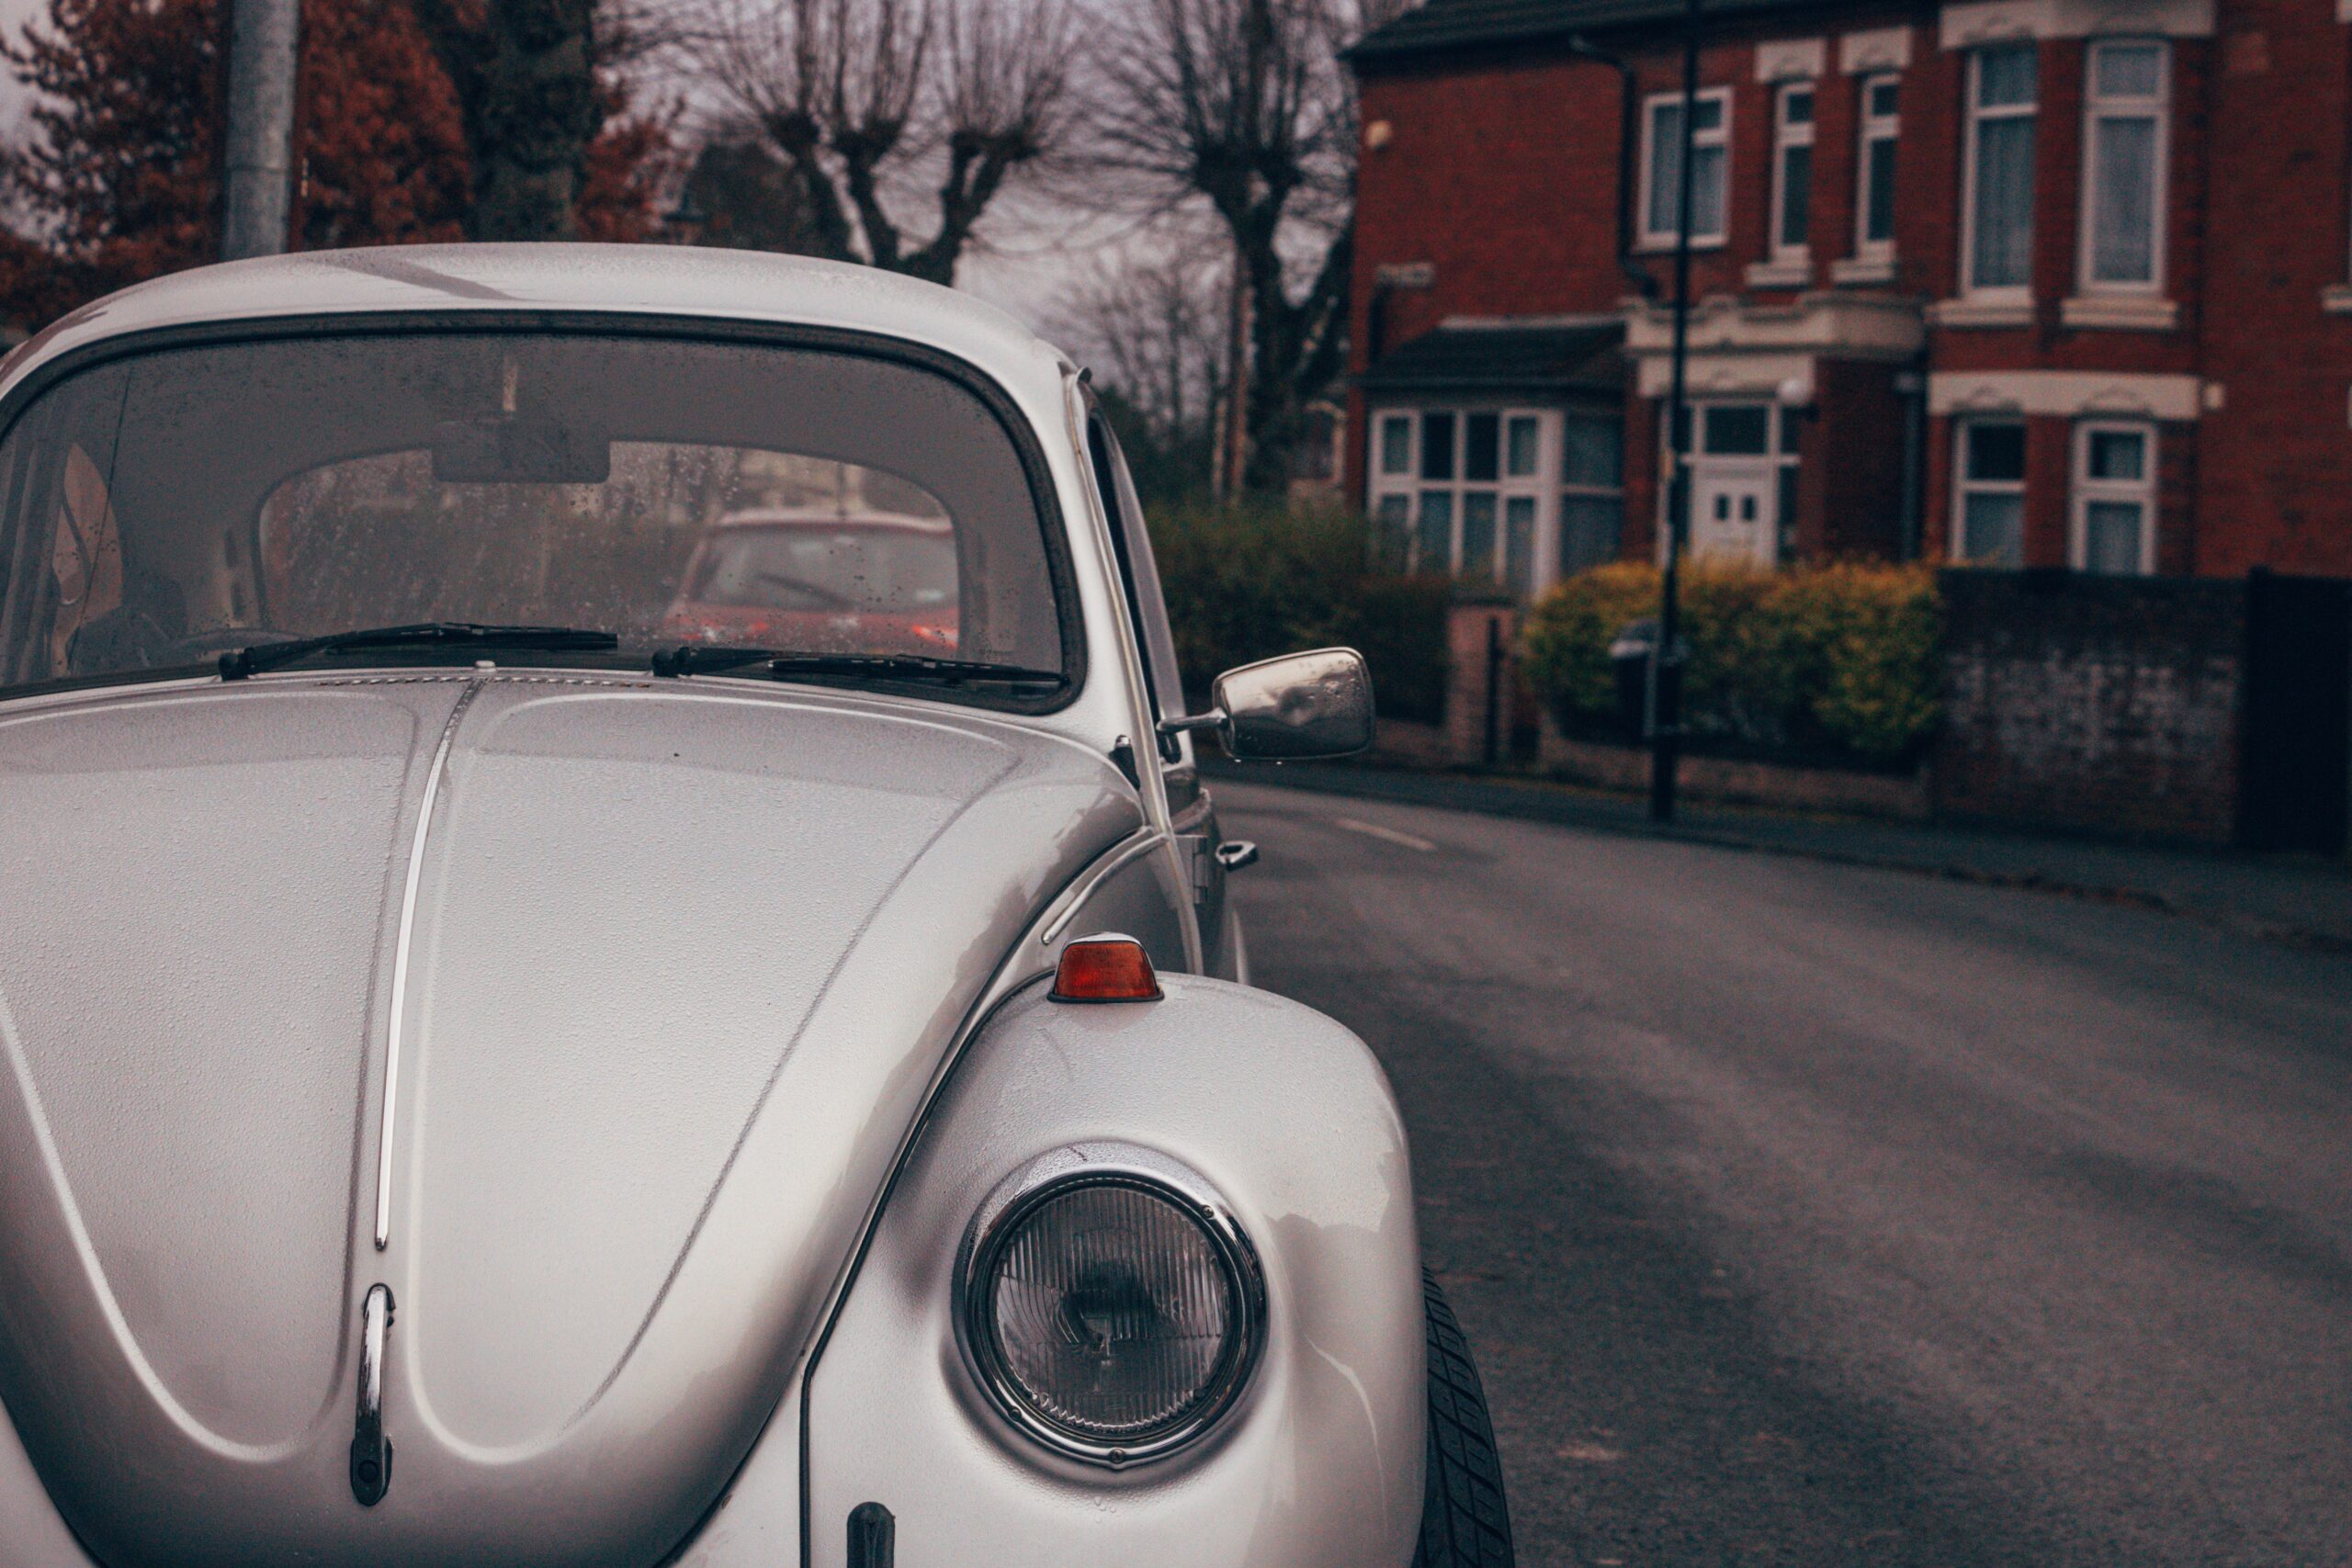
{"x": 259, "y": 141}
{"x": 1666, "y": 659}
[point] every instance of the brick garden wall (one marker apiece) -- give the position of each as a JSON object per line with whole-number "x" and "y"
{"x": 2105, "y": 704}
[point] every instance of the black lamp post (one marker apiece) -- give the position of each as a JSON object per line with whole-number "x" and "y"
{"x": 1666, "y": 656}
{"x": 683, "y": 224}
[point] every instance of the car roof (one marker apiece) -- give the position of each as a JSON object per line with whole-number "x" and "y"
{"x": 647, "y": 280}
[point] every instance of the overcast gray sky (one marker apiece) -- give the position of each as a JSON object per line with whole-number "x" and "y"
{"x": 12, "y": 17}
{"x": 1035, "y": 252}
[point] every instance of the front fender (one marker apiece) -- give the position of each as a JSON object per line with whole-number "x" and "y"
{"x": 1290, "y": 1118}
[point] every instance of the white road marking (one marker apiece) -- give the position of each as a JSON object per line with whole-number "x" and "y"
{"x": 1386, "y": 835}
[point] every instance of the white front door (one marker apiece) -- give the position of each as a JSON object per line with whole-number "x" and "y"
{"x": 1732, "y": 512}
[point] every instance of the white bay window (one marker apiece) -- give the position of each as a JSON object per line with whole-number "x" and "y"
{"x": 1793, "y": 173}
{"x": 1882, "y": 127}
{"x": 2123, "y": 166}
{"x": 1662, "y": 167}
{"x": 1512, "y": 496}
{"x": 2115, "y": 498}
{"x": 1989, "y": 507}
{"x": 1997, "y": 220}
{"x": 1592, "y": 491}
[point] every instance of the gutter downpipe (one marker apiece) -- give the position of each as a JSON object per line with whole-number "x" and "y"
{"x": 1911, "y": 383}
{"x": 1629, "y": 113}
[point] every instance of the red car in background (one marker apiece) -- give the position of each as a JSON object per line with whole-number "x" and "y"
{"x": 817, "y": 580}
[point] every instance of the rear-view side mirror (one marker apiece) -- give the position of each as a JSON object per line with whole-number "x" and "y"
{"x": 1292, "y": 709}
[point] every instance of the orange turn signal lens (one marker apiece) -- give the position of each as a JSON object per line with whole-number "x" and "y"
{"x": 1106, "y": 969}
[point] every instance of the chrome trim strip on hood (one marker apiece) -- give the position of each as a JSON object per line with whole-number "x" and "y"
{"x": 399, "y": 963}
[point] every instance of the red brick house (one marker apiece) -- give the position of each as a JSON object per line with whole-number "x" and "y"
{"x": 2029, "y": 282}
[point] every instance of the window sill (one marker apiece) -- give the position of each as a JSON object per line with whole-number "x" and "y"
{"x": 2336, "y": 298}
{"x": 1663, "y": 244}
{"x": 2119, "y": 312}
{"x": 1794, "y": 273}
{"x": 1967, "y": 312}
{"x": 1862, "y": 269}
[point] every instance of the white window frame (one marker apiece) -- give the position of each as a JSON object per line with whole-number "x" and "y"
{"x": 1873, "y": 128}
{"x": 1505, "y": 484}
{"x": 1376, "y": 465}
{"x": 2159, "y": 108}
{"x": 1976, "y": 116}
{"x": 1786, "y": 137}
{"x": 2086, "y": 490}
{"x": 1701, "y": 239}
{"x": 1956, "y": 543}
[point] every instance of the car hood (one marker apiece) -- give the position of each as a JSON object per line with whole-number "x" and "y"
{"x": 682, "y": 963}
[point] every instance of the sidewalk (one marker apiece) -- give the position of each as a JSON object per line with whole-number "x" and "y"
{"x": 2299, "y": 901}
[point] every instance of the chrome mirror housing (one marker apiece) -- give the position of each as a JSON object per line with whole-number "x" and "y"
{"x": 1293, "y": 708}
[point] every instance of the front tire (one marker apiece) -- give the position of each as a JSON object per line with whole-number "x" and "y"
{"x": 1465, "y": 1523}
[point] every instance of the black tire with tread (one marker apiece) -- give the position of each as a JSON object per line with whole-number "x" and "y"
{"x": 1465, "y": 1523}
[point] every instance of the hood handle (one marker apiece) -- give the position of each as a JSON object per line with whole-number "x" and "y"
{"x": 372, "y": 1453}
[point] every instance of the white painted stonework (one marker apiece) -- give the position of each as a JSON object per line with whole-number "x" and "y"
{"x": 1999, "y": 21}
{"x": 1779, "y": 378}
{"x": 1880, "y": 48}
{"x": 2068, "y": 394}
{"x": 1977, "y": 310}
{"x": 1848, "y": 326}
{"x": 1791, "y": 59}
{"x": 2119, "y": 312}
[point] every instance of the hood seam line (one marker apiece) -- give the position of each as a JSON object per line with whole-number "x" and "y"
{"x": 397, "y": 1018}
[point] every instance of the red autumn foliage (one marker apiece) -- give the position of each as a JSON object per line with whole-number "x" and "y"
{"x": 377, "y": 155}
{"x": 626, "y": 163}
{"x": 118, "y": 179}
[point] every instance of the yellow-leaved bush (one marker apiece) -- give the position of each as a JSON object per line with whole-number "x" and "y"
{"x": 1839, "y": 659}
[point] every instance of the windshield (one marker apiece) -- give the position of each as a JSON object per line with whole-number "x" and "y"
{"x": 167, "y": 507}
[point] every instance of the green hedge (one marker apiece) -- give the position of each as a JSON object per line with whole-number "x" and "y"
{"x": 1836, "y": 659}
{"x": 1249, "y": 581}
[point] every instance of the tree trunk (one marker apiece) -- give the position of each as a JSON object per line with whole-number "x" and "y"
{"x": 540, "y": 114}
{"x": 525, "y": 78}
{"x": 1297, "y": 351}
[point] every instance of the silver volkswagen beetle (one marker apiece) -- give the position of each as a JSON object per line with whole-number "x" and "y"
{"x": 612, "y": 952}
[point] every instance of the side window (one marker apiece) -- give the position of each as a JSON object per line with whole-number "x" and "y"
{"x": 85, "y": 557}
{"x": 1140, "y": 575}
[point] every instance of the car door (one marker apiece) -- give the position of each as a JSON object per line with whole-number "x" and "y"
{"x": 1192, "y": 811}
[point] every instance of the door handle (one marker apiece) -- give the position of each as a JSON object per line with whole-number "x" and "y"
{"x": 1235, "y": 854}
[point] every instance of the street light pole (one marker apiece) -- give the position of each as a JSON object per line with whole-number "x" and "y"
{"x": 1666, "y": 660}
{"x": 258, "y": 143}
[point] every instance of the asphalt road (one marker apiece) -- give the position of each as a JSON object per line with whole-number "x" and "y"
{"x": 1804, "y": 1214}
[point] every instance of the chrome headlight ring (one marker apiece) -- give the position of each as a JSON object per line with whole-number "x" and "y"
{"x": 1095, "y": 1175}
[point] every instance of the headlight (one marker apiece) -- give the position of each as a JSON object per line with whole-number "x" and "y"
{"x": 1112, "y": 1315}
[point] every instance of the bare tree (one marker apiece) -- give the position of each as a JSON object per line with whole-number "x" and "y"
{"x": 1245, "y": 103}
{"x": 875, "y": 107}
{"x": 1147, "y": 318}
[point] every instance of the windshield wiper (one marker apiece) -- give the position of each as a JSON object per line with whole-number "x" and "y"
{"x": 245, "y": 662}
{"x": 706, "y": 659}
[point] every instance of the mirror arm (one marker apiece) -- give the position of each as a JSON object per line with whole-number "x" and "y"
{"x": 1213, "y": 719}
